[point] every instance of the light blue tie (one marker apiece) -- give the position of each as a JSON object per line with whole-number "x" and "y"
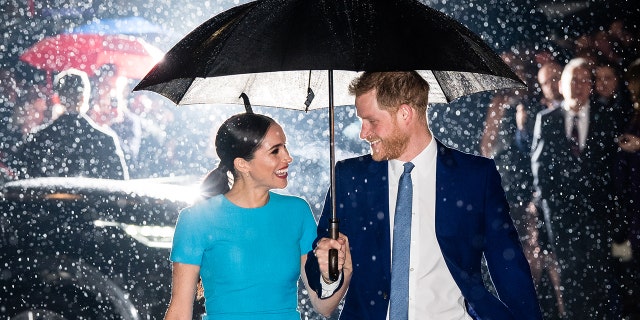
{"x": 399, "y": 298}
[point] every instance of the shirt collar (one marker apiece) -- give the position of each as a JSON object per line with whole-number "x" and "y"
{"x": 425, "y": 157}
{"x": 583, "y": 113}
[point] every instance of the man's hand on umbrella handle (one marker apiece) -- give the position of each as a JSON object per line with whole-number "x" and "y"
{"x": 322, "y": 254}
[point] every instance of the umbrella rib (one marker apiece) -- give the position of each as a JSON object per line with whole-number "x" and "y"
{"x": 446, "y": 94}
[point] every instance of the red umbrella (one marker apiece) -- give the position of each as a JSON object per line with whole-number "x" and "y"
{"x": 133, "y": 56}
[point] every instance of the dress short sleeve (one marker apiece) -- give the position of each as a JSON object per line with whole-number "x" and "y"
{"x": 189, "y": 242}
{"x": 309, "y": 228}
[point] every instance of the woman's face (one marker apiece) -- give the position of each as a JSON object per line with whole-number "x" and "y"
{"x": 269, "y": 167}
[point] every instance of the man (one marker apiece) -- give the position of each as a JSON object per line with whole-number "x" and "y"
{"x": 573, "y": 149}
{"x": 626, "y": 246}
{"x": 9, "y": 92}
{"x": 73, "y": 145}
{"x": 457, "y": 213}
{"x": 549, "y": 79}
{"x": 111, "y": 111}
{"x": 610, "y": 92}
{"x": 544, "y": 265}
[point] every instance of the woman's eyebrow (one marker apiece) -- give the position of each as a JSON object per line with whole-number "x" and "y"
{"x": 275, "y": 146}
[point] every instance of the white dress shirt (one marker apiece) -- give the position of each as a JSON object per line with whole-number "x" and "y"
{"x": 583, "y": 123}
{"x": 433, "y": 294}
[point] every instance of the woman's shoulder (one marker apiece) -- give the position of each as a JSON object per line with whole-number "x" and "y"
{"x": 204, "y": 206}
{"x": 291, "y": 201}
{"x": 289, "y": 198}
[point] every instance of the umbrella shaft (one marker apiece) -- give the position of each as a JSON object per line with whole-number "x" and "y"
{"x": 332, "y": 151}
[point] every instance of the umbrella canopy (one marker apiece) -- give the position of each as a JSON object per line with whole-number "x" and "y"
{"x": 133, "y": 56}
{"x": 128, "y": 26}
{"x": 239, "y": 50}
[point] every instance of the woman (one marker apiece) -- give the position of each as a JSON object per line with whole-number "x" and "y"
{"x": 246, "y": 243}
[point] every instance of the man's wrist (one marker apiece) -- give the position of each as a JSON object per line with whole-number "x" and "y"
{"x": 326, "y": 280}
{"x": 329, "y": 288}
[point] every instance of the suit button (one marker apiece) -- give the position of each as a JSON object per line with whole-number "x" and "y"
{"x": 385, "y": 296}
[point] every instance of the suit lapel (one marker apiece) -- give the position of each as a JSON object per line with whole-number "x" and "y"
{"x": 378, "y": 200}
{"x": 596, "y": 127}
{"x": 561, "y": 127}
{"x": 446, "y": 183}
{"x": 557, "y": 133}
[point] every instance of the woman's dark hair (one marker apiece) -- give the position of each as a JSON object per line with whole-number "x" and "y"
{"x": 238, "y": 137}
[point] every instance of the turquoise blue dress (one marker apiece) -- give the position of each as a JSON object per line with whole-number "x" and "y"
{"x": 249, "y": 258}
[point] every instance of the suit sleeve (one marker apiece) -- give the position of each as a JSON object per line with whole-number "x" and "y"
{"x": 505, "y": 258}
{"x": 311, "y": 266}
{"x": 114, "y": 166}
{"x": 541, "y": 158}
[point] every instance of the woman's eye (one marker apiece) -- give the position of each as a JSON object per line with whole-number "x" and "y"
{"x": 278, "y": 149}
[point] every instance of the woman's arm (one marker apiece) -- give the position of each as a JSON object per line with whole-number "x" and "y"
{"x": 328, "y": 305}
{"x": 183, "y": 289}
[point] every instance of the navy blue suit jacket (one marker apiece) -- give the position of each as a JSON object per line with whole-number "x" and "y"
{"x": 472, "y": 220}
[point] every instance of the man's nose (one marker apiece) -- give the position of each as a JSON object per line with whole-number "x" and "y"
{"x": 364, "y": 132}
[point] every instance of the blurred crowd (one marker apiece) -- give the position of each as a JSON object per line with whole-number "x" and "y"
{"x": 568, "y": 150}
{"x": 138, "y": 121}
{"x": 30, "y": 100}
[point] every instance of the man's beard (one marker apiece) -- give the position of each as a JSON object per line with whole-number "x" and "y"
{"x": 391, "y": 147}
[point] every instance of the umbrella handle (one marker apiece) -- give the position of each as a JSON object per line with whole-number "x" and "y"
{"x": 334, "y": 230}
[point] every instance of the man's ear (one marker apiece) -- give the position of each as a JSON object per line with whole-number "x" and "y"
{"x": 560, "y": 88}
{"x": 405, "y": 112}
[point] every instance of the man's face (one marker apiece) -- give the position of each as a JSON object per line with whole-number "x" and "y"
{"x": 549, "y": 79}
{"x": 606, "y": 81}
{"x": 108, "y": 108}
{"x": 576, "y": 86}
{"x": 380, "y": 129}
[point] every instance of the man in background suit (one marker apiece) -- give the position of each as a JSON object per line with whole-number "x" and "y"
{"x": 73, "y": 145}
{"x": 573, "y": 148}
{"x": 458, "y": 215}
{"x": 548, "y": 78}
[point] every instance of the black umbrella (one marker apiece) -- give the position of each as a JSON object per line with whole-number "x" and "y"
{"x": 282, "y": 53}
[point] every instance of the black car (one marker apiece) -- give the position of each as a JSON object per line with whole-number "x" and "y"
{"x": 80, "y": 248}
